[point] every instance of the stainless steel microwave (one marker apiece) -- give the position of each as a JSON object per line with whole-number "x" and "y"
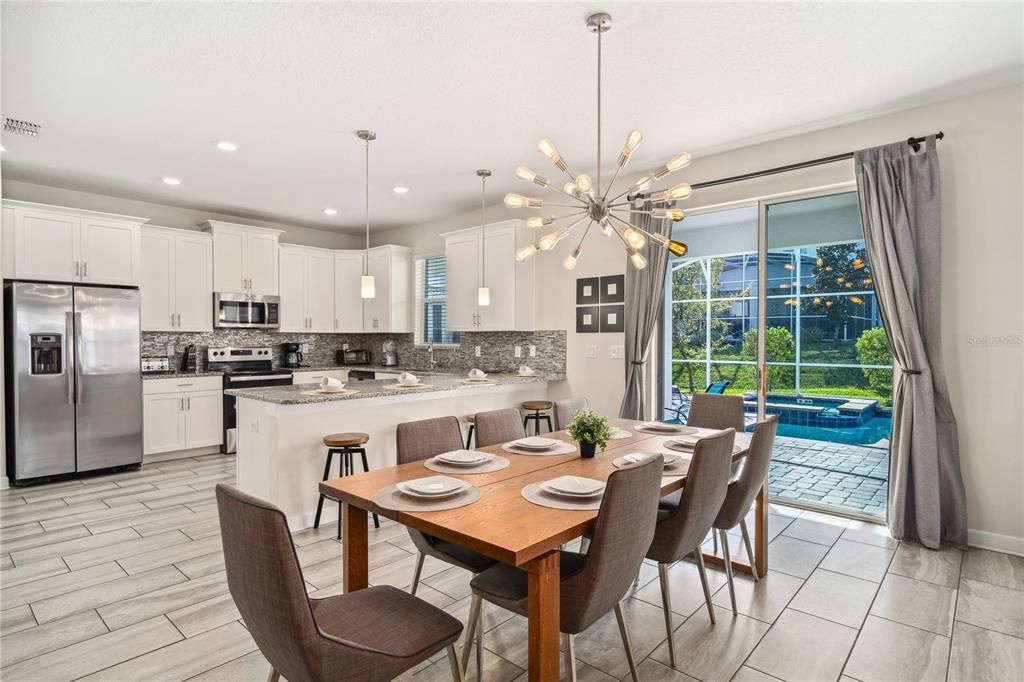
{"x": 246, "y": 311}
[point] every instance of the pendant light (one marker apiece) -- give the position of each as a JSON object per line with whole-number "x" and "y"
{"x": 483, "y": 293}
{"x": 367, "y": 285}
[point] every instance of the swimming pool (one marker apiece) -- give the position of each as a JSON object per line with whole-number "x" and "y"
{"x": 855, "y": 421}
{"x": 868, "y": 433}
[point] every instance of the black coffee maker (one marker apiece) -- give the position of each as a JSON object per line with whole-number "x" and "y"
{"x": 291, "y": 355}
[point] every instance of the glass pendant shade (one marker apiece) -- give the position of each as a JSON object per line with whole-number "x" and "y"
{"x": 367, "y": 287}
{"x": 483, "y": 296}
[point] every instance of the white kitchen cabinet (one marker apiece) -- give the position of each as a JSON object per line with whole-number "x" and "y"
{"x": 390, "y": 310}
{"x": 245, "y": 258}
{"x": 182, "y": 413}
{"x": 315, "y": 377}
{"x": 58, "y": 244}
{"x": 476, "y": 258}
{"x": 348, "y": 304}
{"x": 177, "y": 280}
{"x": 307, "y": 289}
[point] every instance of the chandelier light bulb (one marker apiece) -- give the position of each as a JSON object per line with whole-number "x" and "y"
{"x": 570, "y": 261}
{"x": 606, "y": 228}
{"x": 519, "y": 201}
{"x": 680, "y": 160}
{"x": 550, "y": 240}
{"x": 675, "y": 214}
{"x": 524, "y": 173}
{"x": 674, "y": 193}
{"x": 525, "y": 252}
{"x": 677, "y": 249}
{"x": 550, "y": 152}
{"x": 635, "y": 238}
{"x": 632, "y": 142}
{"x": 643, "y": 184}
{"x": 584, "y": 183}
{"x": 536, "y": 221}
{"x": 637, "y": 259}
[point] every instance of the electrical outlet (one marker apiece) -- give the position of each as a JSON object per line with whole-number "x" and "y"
{"x": 590, "y": 351}
{"x": 477, "y": 351}
{"x": 617, "y": 352}
{"x": 344, "y": 346}
{"x": 170, "y": 350}
{"x": 533, "y": 351}
{"x": 519, "y": 351}
{"x": 305, "y": 348}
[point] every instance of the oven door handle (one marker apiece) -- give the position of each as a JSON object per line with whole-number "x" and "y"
{"x": 262, "y": 377}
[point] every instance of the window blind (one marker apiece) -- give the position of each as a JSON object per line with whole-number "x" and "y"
{"x": 431, "y": 318}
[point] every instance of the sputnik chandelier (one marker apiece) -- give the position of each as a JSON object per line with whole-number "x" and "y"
{"x": 600, "y": 207}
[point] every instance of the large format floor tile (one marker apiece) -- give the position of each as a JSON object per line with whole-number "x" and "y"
{"x": 935, "y": 566}
{"x": 858, "y": 559}
{"x": 992, "y": 607}
{"x": 888, "y": 651}
{"x": 1004, "y": 570}
{"x": 794, "y": 557}
{"x": 713, "y": 652}
{"x": 917, "y": 603}
{"x": 803, "y": 647}
{"x": 980, "y": 654}
{"x": 764, "y": 600}
{"x": 836, "y": 597}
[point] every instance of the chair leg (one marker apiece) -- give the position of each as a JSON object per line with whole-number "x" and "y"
{"x": 366, "y": 467}
{"x": 416, "y": 571}
{"x": 666, "y": 605}
{"x": 714, "y": 539}
{"x": 526, "y": 423}
{"x": 728, "y": 568}
{"x": 273, "y": 675}
{"x": 704, "y": 582}
{"x": 469, "y": 437}
{"x": 547, "y": 418}
{"x": 569, "y": 655}
{"x": 475, "y": 606}
{"x": 750, "y": 552}
{"x": 480, "y": 643}
{"x": 453, "y": 663}
{"x": 585, "y": 545}
{"x": 624, "y": 631}
{"x": 320, "y": 503}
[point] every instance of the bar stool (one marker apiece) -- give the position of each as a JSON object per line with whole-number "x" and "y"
{"x": 345, "y": 445}
{"x": 469, "y": 434}
{"x": 539, "y": 408}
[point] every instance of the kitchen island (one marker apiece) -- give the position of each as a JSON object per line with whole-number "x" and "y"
{"x": 281, "y": 428}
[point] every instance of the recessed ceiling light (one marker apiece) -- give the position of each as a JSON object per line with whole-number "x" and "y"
{"x": 330, "y": 211}
{"x": 400, "y": 190}
{"x": 172, "y": 181}
{"x": 226, "y": 146}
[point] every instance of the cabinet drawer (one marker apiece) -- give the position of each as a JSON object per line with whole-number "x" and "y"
{"x": 317, "y": 377}
{"x": 182, "y": 385}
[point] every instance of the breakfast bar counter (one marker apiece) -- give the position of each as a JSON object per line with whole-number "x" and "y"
{"x": 281, "y": 453}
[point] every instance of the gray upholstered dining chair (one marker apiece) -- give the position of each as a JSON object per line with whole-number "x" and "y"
{"x": 498, "y": 426}
{"x": 683, "y": 529}
{"x": 743, "y": 490}
{"x": 591, "y": 584}
{"x": 371, "y": 634}
{"x": 566, "y": 409}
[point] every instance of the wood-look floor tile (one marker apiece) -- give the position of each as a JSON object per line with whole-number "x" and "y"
{"x": 10, "y": 577}
{"x": 169, "y": 555}
{"x": 125, "y": 494}
{"x": 51, "y": 636}
{"x": 990, "y": 606}
{"x": 997, "y": 568}
{"x": 713, "y": 652}
{"x": 105, "y": 593}
{"x": 935, "y": 566}
{"x": 314, "y": 553}
{"x": 26, "y": 593}
{"x": 16, "y": 619}
{"x": 252, "y": 666}
{"x": 150, "y": 494}
{"x": 97, "y": 653}
{"x": 206, "y": 615}
{"x": 46, "y": 510}
{"x": 42, "y": 539}
{"x": 857, "y": 559}
{"x": 5, "y": 563}
{"x": 980, "y": 654}
{"x": 199, "y": 566}
{"x": 836, "y": 597}
{"x": 201, "y": 527}
{"x": 454, "y": 582}
{"x": 69, "y": 494}
{"x": 915, "y": 602}
{"x": 75, "y": 546}
{"x": 398, "y": 573}
{"x": 39, "y": 493}
{"x": 764, "y": 600}
{"x": 162, "y": 519}
{"x": 803, "y": 647}
{"x": 887, "y": 651}
{"x": 122, "y": 550}
{"x": 180, "y": 497}
{"x": 136, "y": 609}
{"x": 89, "y": 517}
{"x": 13, "y": 532}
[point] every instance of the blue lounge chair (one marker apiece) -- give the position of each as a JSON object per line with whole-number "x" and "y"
{"x": 681, "y": 410}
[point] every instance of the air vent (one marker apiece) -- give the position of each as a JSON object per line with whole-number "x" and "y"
{"x": 13, "y": 125}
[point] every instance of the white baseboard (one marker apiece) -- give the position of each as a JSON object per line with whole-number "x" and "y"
{"x": 995, "y": 542}
{"x": 4, "y": 483}
{"x": 297, "y": 522}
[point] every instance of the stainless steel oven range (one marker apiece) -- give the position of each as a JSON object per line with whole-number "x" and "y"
{"x": 243, "y": 368}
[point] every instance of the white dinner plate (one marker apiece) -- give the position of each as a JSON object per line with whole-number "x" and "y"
{"x": 686, "y": 441}
{"x": 432, "y": 486}
{"x": 667, "y": 428}
{"x": 465, "y": 457}
{"x": 535, "y": 443}
{"x": 575, "y": 485}
{"x": 635, "y": 457}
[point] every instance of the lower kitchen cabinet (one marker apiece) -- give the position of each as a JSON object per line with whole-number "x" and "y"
{"x": 181, "y": 414}
{"x": 315, "y": 377}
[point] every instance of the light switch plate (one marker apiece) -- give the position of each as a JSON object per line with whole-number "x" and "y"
{"x": 477, "y": 351}
{"x": 305, "y": 348}
{"x": 519, "y": 351}
{"x": 344, "y": 346}
{"x": 617, "y": 352}
{"x": 170, "y": 349}
{"x": 590, "y": 350}
{"x": 533, "y": 351}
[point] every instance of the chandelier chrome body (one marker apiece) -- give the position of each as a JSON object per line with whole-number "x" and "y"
{"x": 609, "y": 212}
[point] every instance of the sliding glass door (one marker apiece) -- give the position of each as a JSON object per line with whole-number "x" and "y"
{"x": 798, "y": 269}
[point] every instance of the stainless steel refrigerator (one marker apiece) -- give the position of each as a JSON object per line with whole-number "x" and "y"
{"x": 72, "y": 379}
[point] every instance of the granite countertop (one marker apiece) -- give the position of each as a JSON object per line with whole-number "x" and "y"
{"x": 181, "y": 375}
{"x": 372, "y": 368}
{"x": 295, "y": 395}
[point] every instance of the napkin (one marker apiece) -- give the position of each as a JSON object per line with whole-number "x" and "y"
{"x": 331, "y": 384}
{"x": 477, "y": 374}
{"x": 526, "y": 371}
{"x": 408, "y": 379}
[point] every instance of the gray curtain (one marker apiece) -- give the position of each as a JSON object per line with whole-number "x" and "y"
{"x": 645, "y": 290}
{"x": 899, "y": 204}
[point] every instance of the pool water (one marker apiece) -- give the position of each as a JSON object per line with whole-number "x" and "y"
{"x": 870, "y": 432}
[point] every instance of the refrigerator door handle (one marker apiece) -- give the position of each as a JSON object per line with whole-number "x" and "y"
{"x": 69, "y": 362}
{"x": 78, "y": 358}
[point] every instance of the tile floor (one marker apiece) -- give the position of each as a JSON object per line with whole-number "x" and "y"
{"x": 121, "y": 578}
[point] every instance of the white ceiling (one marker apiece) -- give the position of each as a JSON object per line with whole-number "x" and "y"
{"x": 130, "y": 93}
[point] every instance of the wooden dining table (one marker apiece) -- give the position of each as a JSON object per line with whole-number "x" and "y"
{"x": 503, "y": 525}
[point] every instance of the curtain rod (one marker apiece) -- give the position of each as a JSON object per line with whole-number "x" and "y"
{"x": 914, "y": 142}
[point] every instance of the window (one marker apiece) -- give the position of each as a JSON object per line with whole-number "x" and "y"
{"x": 431, "y": 283}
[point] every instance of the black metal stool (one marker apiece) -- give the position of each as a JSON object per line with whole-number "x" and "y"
{"x": 345, "y": 445}
{"x": 472, "y": 427}
{"x": 538, "y": 408}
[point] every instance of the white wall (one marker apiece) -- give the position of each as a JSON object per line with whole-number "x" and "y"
{"x": 169, "y": 216}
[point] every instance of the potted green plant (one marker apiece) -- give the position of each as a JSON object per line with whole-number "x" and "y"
{"x": 589, "y": 429}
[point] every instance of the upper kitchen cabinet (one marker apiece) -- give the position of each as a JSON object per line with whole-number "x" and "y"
{"x": 177, "y": 280}
{"x": 390, "y": 310}
{"x": 57, "y": 244}
{"x": 307, "y": 289}
{"x": 245, "y": 259}
{"x": 475, "y": 258}
{"x": 348, "y": 305}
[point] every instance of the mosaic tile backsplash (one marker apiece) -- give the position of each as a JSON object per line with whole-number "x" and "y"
{"x": 497, "y": 349}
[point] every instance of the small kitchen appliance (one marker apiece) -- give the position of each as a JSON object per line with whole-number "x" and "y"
{"x": 291, "y": 355}
{"x": 353, "y": 357}
{"x": 390, "y": 357}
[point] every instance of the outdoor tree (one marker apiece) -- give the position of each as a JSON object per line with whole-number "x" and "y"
{"x": 837, "y": 268}
{"x": 873, "y": 349}
{"x": 780, "y": 346}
